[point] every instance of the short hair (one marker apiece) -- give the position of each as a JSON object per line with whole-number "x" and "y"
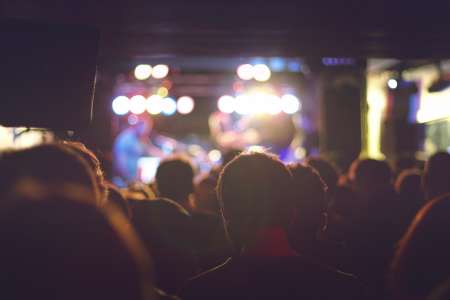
{"x": 436, "y": 178}
{"x": 175, "y": 178}
{"x": 326, "y": 170}
{"x": 48, "y": 163}
{"x": 421, "y": 261}
{"x": 254, "y": 191}
{"x": 370, "y": 175}
{"x": 63, "y": 247}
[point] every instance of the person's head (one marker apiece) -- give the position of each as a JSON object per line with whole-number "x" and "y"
{"x": 326, "y": 170}
{"x": 254, "y": 192}
{"x": 175, "y": 179}
{"x": 436, "y": 178}
{"x": 408, "y": 184}
{"x": 52, "y": 164}
{"x": 205, "y": 194}
{"x": 370, "y": 177}
{"x": 93, "y": 163}
{"x": 421, "y": 262}
{"x": 229, "y": 154}
{"x": 310, "y": 202}
{"x": 57, "y": 245}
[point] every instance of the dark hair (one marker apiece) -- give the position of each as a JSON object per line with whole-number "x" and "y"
{"x": 174, "y": 178}
{"x": 63, "y": 247}
{"x": 436, "y": 178}
{"x": 254, "y": 191}
{"x": 49, "y": 163}
{"x": 421, "y": 261}
{"x": 326, "y": 170}
{"x": 370, "y": 175}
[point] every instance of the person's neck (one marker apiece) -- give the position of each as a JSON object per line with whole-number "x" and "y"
{"x": 270, "y": 242}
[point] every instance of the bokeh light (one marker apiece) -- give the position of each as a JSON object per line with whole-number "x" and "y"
{"x": 290, "y": 104}
{"x": 261, "y": 72}
{"x": 392, "y": 83}
{"x": 138, "y": 104}
{"x": 214, "y": 155}
{"x": 163, "y": 92}
{"x": 256, "y": 148}
{"x": 121, "y": 105}
{"x": 154, "y": 104}
{"x": 185, "y": 105}
{"x": 226, "y": 104}
{"x": 160, "y": 71}
{"x": 245, "y": 72}
{"x": 142, "y": 72}
{"x": 244, "y": 105}
{"x": 273, "y": 104}
{"x": 169, "y": 106}
{"x": 132, "y": 120}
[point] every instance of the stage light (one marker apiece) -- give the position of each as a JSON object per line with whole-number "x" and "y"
{"x": 245, "y": 72}
{"x": 160, "y": 71}
{"x": 138, "y": 104}
{"x": 392, "y": 83}
{"x": 154, "y": 104}
{"x": 132, "y": 120}
{"x": 258, "y": 103}
{"x": 214, "y": 155}
{"x": 256, "y": 148}
{"x": 243, "y": 105}
{"x": 121, "y": 105}
{"x": 300, "y": 153}
{"x": 261, "y": 72}
{"x": 185, "y": 105}
{"x": 273, "y": 104}
{"x": 163, "y": 92}
{"x": 290, "y": 104}
{"x": 142, "y": 72}
{"x": 169, "y": 106}
{"x": 226, "y": 104}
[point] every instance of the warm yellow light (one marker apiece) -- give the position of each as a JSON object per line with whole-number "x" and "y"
{"x": 154, "y": 104}
{"x": 214, "y": 155}
{"x": 138, "y": 104}
{"x": 160, "y": 71}
{"x": 261, "y": 72}
{"x": 245, "y": 72}
{"x": 163, "y": 92}
{"x": 142, "y": 72}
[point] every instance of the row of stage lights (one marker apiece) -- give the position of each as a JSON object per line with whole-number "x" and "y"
{"x": 259, "y": 72}
{"x": 154, "y": 105}
{"x": 143, "y": 72}
{"x": 259, "y": 104}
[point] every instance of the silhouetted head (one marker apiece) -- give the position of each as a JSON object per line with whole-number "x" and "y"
{"x": 310, "y": 202}
{"x": 229, "y": 155}
{"x": 52, "y": 164}
{"x": 370, "y": 177}
{"x": 205, "y": 194}
{"x": 436, "y": 178}
{"x": 408, "y": 184}
{"x": 326, "y": 170}
{"x": 421, "y": 262}
{"x": 254, "y": 191}
{"x": 58, "y": 245}
{"x": 175, "y": 179}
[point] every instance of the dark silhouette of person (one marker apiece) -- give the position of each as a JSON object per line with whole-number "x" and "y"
{"x": 56, "y": 244}
{"x": 53, "y": 164}
{"x": 436, "y": 177}
{"x": 421, "y": 263}
{"x": 165, "y": 227}
{"x": 255, "y": 192}
{"x": 327, "y": 171}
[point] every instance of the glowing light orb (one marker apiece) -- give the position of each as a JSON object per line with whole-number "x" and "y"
{"x": 245, "y": 72}
{"x": 244, "y": 105}
{"x": 214, "y": 155}
{"x": 142, "y": 72}
{"x": 138, "y": 104}
{"x": 392, "y": 83}
{"x": 169, "y": 106}
{"x": 261, "y": 72}
{"x": 290, "y": 104}
{"x": 273, "y": 104}
{"x": 185, "y": 105}
{"x": 160, "y": 71}
{"x": 226, "y": 104}
{"x": 121, "y": 105}
{"x": 163, "y": 92}
{"x": 154, "y": 104}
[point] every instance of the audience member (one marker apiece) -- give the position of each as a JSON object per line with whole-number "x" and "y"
{"x": 326, "y": 170}
{"x": 53, "y": 164}
{"x": 255, "y": 192}
{"x": 57, "y": 245}
{"x": 436, "y": 178}
{"x": 115, "y": 197}
{"x": 411, "y": 197}
{"x": 421, "y": 262}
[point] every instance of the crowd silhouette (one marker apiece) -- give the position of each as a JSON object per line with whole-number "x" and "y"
{"x": 252, "y": 228}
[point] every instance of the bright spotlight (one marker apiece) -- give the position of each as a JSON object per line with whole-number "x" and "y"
{"x": 256, "y": 148}
{"x": 226, "y": 104}
{"x": 138, "y": 104}
{"x": 154, "y": 104}
{"x": 392, "y": 83}
{"x": 185, "y": 105}
{"x": 163, "y": 92}
{"x": 290, "y": 104}
{"x": 214, "y": 155}
{"x": 245, "y": 72}
{"x": 160, "y": 71}
{"x": 273, "y": 104}
{"x": 261, "y": 72}
{"x": 142, "y": 72}
{"x": 121, "y": 105}
{"x": 169, "y": 106}
{"x": 244, "y": 105}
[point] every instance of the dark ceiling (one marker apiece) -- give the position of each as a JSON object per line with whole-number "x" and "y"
{"x": 130, "y": 29}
